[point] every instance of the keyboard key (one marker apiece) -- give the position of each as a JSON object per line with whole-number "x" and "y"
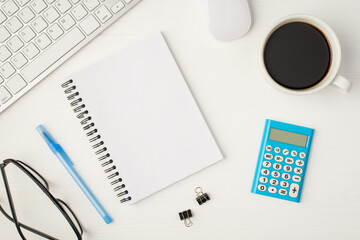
{"x": 4, "y": 34}
{"x": 43, "y": 41}
{"x": 296, "y": 178}
{"x": 89, "y": 25}
{"x": 289, "y": 160}
{"x": 15, "y": 84}
{"x": 51, "y": 15}
{"x": 67, "y": 22}
{"x": 279, "y": 158}
{"x": 15, "y": 43}
{"x": 10, "y": 8}
{"x": 294, "y": 190}
{"x": 265, "y": 172}
{"x": 302, "y": 155}
{"x": 39, "y": 24}
{"x": 55, "y": 31}
{"x": 282, "y": 192}
{"x": 286, "y": 176}
{"x": 298, "y": 170}
{"x": 31, "y": 51}
{"x": 4, "y": 53}
{"x": 268, "y": 156}
{"x": 266, "y": 164}
{"x": 63, "y": 5}
{"x": 268, "y": 148}
{"x": 277, "y": 150}
{"x": 294, "y": 153}
{"x": 274, "y": 182}
{"x": 261, "y": 187}
{"x": 7, "y": 70}
{"x": 275, "y": 174}
{"x": 38, "y": 5}
{"x": 286, "y": 152}
{"x": 91, "y": 4}
{"x": 277, "y": 166}
{"x": 263, "y": 180}
{"x": 5, "y": 95}
{"x": 52, "y": 54}
{"x": 117, "y": 7}
{"x": 19, "y": 60}
{"x": 287, "y": 168}
{"x": 22, "y": 2}
{"x": 284, "y": 184}
{"x": 79, "y": 12}
{"x": 103, "y": 14}
{"x": 272, "y": 190}
{"x": 2, "y": 17}
{"x": 299, "y": 163}
{"x": 26, "y": 14}
{"x": 27, "y": 34}
{"x": 14, "y": 24}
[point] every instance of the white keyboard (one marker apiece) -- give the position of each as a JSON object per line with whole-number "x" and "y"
{"x": 36, "y": 36}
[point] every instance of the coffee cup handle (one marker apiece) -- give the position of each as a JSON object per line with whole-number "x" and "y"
{"x": 342, "y": 84}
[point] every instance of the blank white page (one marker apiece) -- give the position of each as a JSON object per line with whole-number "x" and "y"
{"x": 147, "y": 117}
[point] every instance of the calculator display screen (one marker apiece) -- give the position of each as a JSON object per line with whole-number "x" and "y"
{"x": 288, "y": 137}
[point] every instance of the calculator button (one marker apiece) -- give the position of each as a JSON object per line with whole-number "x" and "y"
{"x": 272, "y": 190}
{"x": 299, "y": 163}
{"x": 263, "y": 180}
{"x": 268, "y": 148}
{"x": 302, "y": 155}
{"x": 268, "y": 156}
{"x": 279, "y": 158}
{"x": 266, "y": 164}
{"x": 277, "y": 166}
{"x": 286, "y": 176}
{"x": 262, "y": 187}
{"x": 274, "y": 182}
{"x": 289, "y": 160}
{"x": 265, "y": 172}
{"x": 282, "y": 192}
{"x": 277, "y": 150}
{"x": 287, "y": 168}
{"x": 284, "y": 184}
{"x": 294, "y": 190}
{"x": 298, "y": 170}
{"x": 294, "y": 153}
{"x": 296, "y": 178}
{"x": 286, "y": 151}
{"x": 275, "y": 174}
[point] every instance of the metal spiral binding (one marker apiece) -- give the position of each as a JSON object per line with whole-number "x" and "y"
{"x": 95, "y": 139}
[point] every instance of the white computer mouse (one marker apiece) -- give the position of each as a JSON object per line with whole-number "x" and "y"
{"x": 228, "y": 19}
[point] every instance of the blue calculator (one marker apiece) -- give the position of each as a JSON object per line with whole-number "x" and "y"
{"x": 281, "y": 166}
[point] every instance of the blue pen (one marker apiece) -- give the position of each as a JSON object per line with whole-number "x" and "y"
{"x": 68, "y": 164}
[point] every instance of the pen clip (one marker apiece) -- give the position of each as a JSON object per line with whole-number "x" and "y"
{"x": 63, "y": 154}
{"x": 55, "y": 148}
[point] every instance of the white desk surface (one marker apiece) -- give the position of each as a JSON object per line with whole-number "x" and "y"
{"x": 235, "y": 99}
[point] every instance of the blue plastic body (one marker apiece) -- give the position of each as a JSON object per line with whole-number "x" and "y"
{"x": 283, "y": 146}
{"x": 69, "y": 166}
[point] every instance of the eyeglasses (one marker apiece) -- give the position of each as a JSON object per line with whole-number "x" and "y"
{"x": 44, "y": 186}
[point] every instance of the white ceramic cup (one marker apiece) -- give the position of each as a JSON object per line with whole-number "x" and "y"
{"x": 332, "y": 78}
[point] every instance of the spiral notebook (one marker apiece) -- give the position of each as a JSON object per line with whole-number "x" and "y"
{"x": 141, "y": 119}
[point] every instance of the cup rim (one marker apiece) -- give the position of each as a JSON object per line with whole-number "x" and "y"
{"x": 334, "y": 45}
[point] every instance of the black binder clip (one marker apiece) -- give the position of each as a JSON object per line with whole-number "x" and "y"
{"x": 200, "y": 196}
{"x": 186, "y": 215}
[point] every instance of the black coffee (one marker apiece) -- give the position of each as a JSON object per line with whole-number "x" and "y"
{"x": 297, "y": 55}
